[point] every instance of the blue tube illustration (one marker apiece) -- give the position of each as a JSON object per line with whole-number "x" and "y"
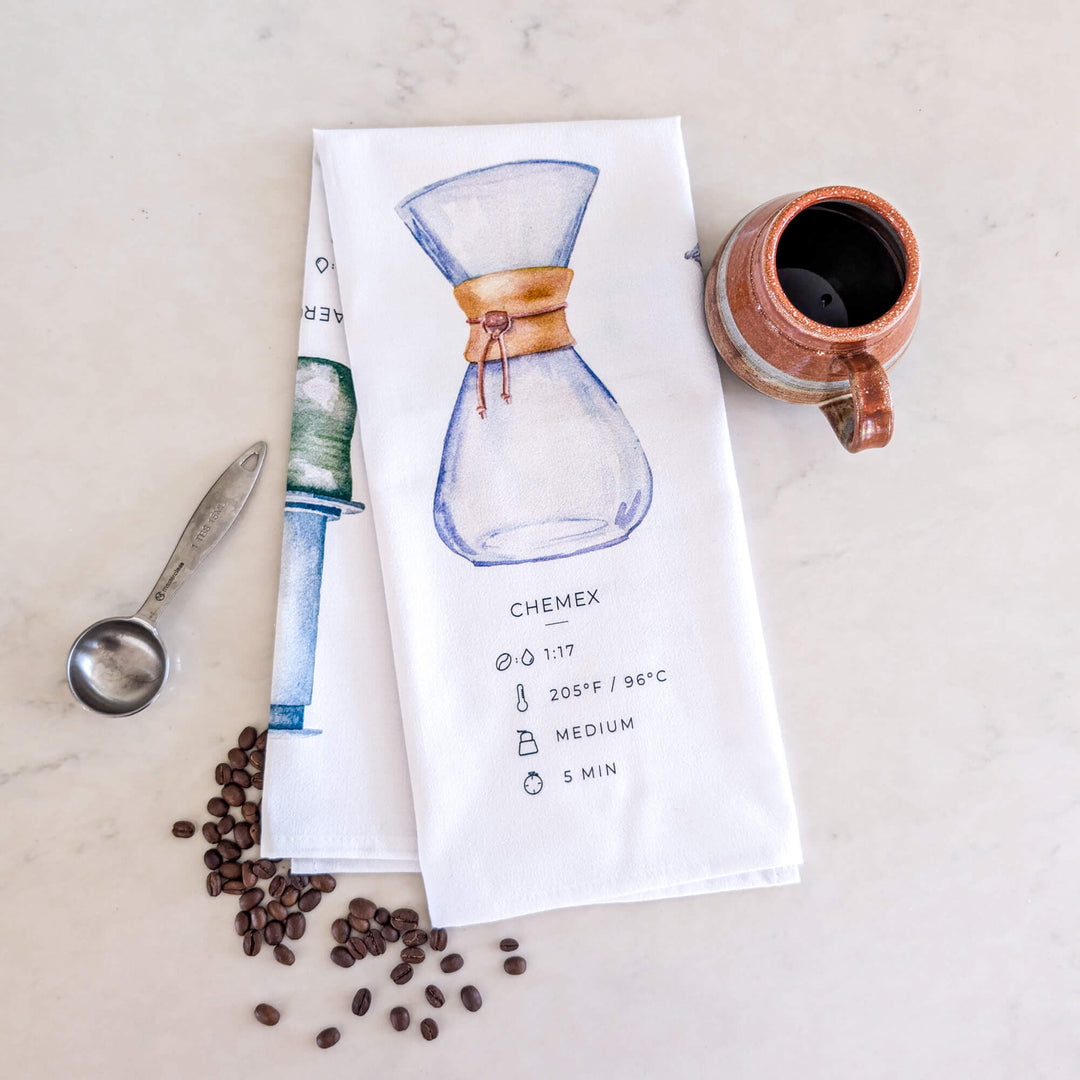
{"x": 319, "y": 490}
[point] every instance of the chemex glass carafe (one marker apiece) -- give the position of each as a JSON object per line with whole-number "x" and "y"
{"x": 539, "y": 461}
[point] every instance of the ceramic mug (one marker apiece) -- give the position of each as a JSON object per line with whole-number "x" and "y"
{"x": 812, "y": 298}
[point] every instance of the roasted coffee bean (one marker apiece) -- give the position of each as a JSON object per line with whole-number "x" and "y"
{"x": 231, "y": 871}
{"x": 249, "y": 811}
{"x": 340, "y": 930}
{"x": 260, "y": 742}
{"x": 237, "y": 758}
{"x": 470, "y": 998}
{"x": 242, "y": 923}
{"x": 211, "y": 833}
{"x": 356, "y": 946}
{"x": 414, "y": 937}
{"x": 229, "y": 849}
{"x": 359, "y": 925}
{"x": 437, "y": 939}
{"x": 389, "y": 933}
{"x": 277, "y": 910}
{"x": 277, "y": 885}
{"x": 309, "y": 900}
{"x": 508, "y": 944}
{"x": 401, "y": 925}
{"x": 405, "y": 915}
{"x": 256, "y": 832}
{"x": 247, "y": 738}
{"x": 381, "y": 916}
{"x": 212, "y": 859}
{"x": 233, "y": 888}
{"x": 256, "y": 759}
{"x": 250, "y": 898}
{"x": 263, "y": 868}
{"x": 232, "y": 795}
{"x": 225, "y": 825}
{"x": 185, "y": 829}
{"x": 361, "y": 1001}
{"x": 298, "y": 881}
{"x": 429, "y": 1029}
{"x": 247, "y": 875}
{"x": 258, "y": 917}
{"x": 217, "y": 807}
{"x": 223, "y": 774}
{"x": 257, "y": 781}
{"x": 289, "y": 895}
{"x": 399, "y": 1018}
{"x": 362, "y": 908}
{"x": 252, "y": 943}
{"x": 323, "y": 882}
{"x": 374, "y": 942}
{"x": 213, "y": 883}
{"x": 274, "y": 932}
{"x": 342, "y": 957}
{"x": 514, "y": 965}
{"x": 413, "y": 955}
{"x": 241, "y": 778}
{"x": 434, "y": 997}
{"x": 402, "y": 974}
{"x": 452, "y": 962}
{"x": 295, "y": 925}
{"x": 327, "y": 1037}
{"x": 283, "y": 954}
{"x": 242, "y": 836}
{"x": 267, "y": 1014}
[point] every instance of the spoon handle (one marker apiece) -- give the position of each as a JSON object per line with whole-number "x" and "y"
{"x": 211, "y": 520}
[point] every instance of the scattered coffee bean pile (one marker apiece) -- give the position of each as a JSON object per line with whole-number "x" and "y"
{"x": 365, "y": 930}
{"x": 234, "y": 829}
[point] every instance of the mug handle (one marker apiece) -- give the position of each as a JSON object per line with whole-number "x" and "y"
{"x": 862, "y": 418}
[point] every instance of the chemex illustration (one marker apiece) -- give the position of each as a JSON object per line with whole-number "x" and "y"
{"x": 539, "y": 462}
{"x": 319, "y": 490}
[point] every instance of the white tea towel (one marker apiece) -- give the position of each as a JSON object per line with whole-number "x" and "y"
{"x": 586, "y": 702}
{"x": 337, "y": 786}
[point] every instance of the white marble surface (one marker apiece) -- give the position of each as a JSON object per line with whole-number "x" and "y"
{"x": 919, "y": 603}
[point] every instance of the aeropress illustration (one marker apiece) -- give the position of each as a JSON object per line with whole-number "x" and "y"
{"x": 319, "y": 490}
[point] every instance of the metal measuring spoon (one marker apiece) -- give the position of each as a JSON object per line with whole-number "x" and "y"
{"x": 118, "y": 665}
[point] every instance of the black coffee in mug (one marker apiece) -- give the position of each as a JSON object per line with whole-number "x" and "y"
{"x": 841, "y": 264}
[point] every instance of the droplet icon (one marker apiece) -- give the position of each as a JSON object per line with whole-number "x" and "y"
{"x": 527, "y": 658}
{"x": 321, "y": 264}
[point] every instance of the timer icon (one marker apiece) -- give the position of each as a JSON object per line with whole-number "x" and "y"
{"x": 533, "y": 783}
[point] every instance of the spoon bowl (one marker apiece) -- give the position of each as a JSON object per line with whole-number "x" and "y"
{"x": 117, "y": 666}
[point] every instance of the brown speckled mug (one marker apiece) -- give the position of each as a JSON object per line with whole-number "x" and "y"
{"x": 812, "y": 298}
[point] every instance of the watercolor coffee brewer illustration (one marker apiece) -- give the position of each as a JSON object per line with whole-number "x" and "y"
{"x": 539, "y": 461}
{"x": 318, "y": 491}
